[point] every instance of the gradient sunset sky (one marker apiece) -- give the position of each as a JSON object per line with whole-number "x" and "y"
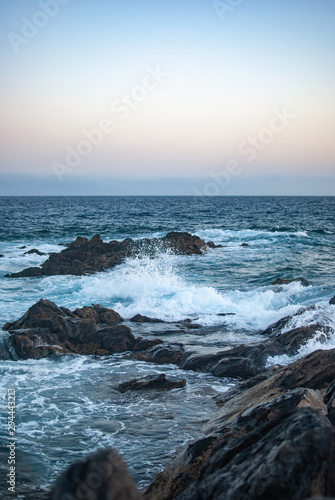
{"x": 229, "y": 69}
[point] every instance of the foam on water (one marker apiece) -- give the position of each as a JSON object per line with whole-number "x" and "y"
{"x": 78, "y": 408}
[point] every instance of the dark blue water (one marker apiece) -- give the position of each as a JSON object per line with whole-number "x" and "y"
{"x": 69, "y": 407}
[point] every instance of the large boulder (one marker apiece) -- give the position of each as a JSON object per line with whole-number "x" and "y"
{"x": 282, "y": 459}
{"x": 102, "y": 475}
{"x": 315, "y": 371}
{"x": 84, "y": 256}
{"x": 187, "y": 466}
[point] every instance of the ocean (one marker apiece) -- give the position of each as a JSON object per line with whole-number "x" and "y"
{"x": 69, "y": 406}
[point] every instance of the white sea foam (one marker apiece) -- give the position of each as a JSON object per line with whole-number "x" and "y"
{"x": 157, "y": 288}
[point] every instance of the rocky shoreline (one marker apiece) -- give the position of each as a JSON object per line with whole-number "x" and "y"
{"x": 273, "y": 436}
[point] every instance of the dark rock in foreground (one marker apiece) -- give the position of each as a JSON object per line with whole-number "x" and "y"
{"x": 281, "y": 281}
{"x": 332, "y": 301}
{"x": 84, "y": 256}
{"x": 46, "y": 330}
{"x": 102, "y": 475}
{"x": 151, "y": 382}
{"x": 273, "y": 440}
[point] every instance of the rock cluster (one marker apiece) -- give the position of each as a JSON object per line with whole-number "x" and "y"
{"x": 83, "y": 256}
{"x": 47, "y": 330}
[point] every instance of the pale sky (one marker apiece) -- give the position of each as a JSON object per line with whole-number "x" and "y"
{"x": 179, "y": 89}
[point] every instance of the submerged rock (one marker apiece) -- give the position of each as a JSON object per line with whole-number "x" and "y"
{"x": 83, "y": 256}
{"x": 102, "y": 475}
{"x": 151, "y": 382}
{"x": 34, "y": 250}
{"x": 138, "y": 318}
{"x": 280, "y": 281}
{"x": 47, "y": 330}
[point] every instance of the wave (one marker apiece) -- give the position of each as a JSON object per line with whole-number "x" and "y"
{"x": 161, "y": 288}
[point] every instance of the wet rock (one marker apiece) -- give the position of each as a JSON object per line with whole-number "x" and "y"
{"x": 34, "y": 251}
{"x": 280, "y": 281}
{"x": 226, "y": 314}
{"x": 211, "y": 244}
{"x": 102, "y": 475}
{"x": 284, "y": 458}
{"x": 244, "y": 245}
{"x": 84, "y": 257}
{"x": 162, "y": 354}
{"x": 246, "y": 361}
{"x": 197, "y": 456}
{"x": 315, "y": 371}
{"x": 276, "y": 328}
{"x": 332, "y": 301}
{"x": 99, "y": 314}
{"x": 1, "y": 255}
{"x": 151, "y": 382}
{"x": 47, "y": 330}
{"x": 138, "y": 318}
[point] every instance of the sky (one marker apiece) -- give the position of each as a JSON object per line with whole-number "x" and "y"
{"x": 194, "y": 97}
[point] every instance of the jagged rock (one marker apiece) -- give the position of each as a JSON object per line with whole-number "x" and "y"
{"x": 138, "y": 318}
{"x": 280, "y": 281}
{"x": 47, "y": 330}
{"x": 102, "y": 475}
{"x": 332, "y": 301}
{"x": 34, "y": 250}
{"x": 246, "y": 361}
{"x": 162, "y": 354}
{"x": 282, "y": 459}
{"x": 151, "y": 382}
{"x": 276, "y": 328}
{"x": 315, "y": 371}
{"x": 83, "y": 256}
{"x": 99, "y": 314}
{"x": 186, "y": 468}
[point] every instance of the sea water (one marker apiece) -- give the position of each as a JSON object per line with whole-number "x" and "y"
{"x": 68, "y": 407}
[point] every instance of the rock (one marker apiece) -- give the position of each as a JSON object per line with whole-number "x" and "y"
{"x": 163, "y": 354}
{"x": 48, "y": 330}
{"x": 144, "y": 319}
{"x": 226, "y": 314}
{"x": 34, "y": 250}
{"x": 211, "y": 244}
{"x": 244, "y": 245}
{"x": 276, "y": 328}
{"x": 246, "y": 361}
{"x": 332, "y": 301}
{"x": 102, "y": 475}
{"x": 1, "y": 255}
{"x": 195, "y": 458}
{"x": 281, "y": 281}
{"x": 99, "y": 314}
{"x": 83, "y": 257}
{"x": 315, "y": 371}
{"x": 285, "y": 458}
{"x": 151, "y": 382}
